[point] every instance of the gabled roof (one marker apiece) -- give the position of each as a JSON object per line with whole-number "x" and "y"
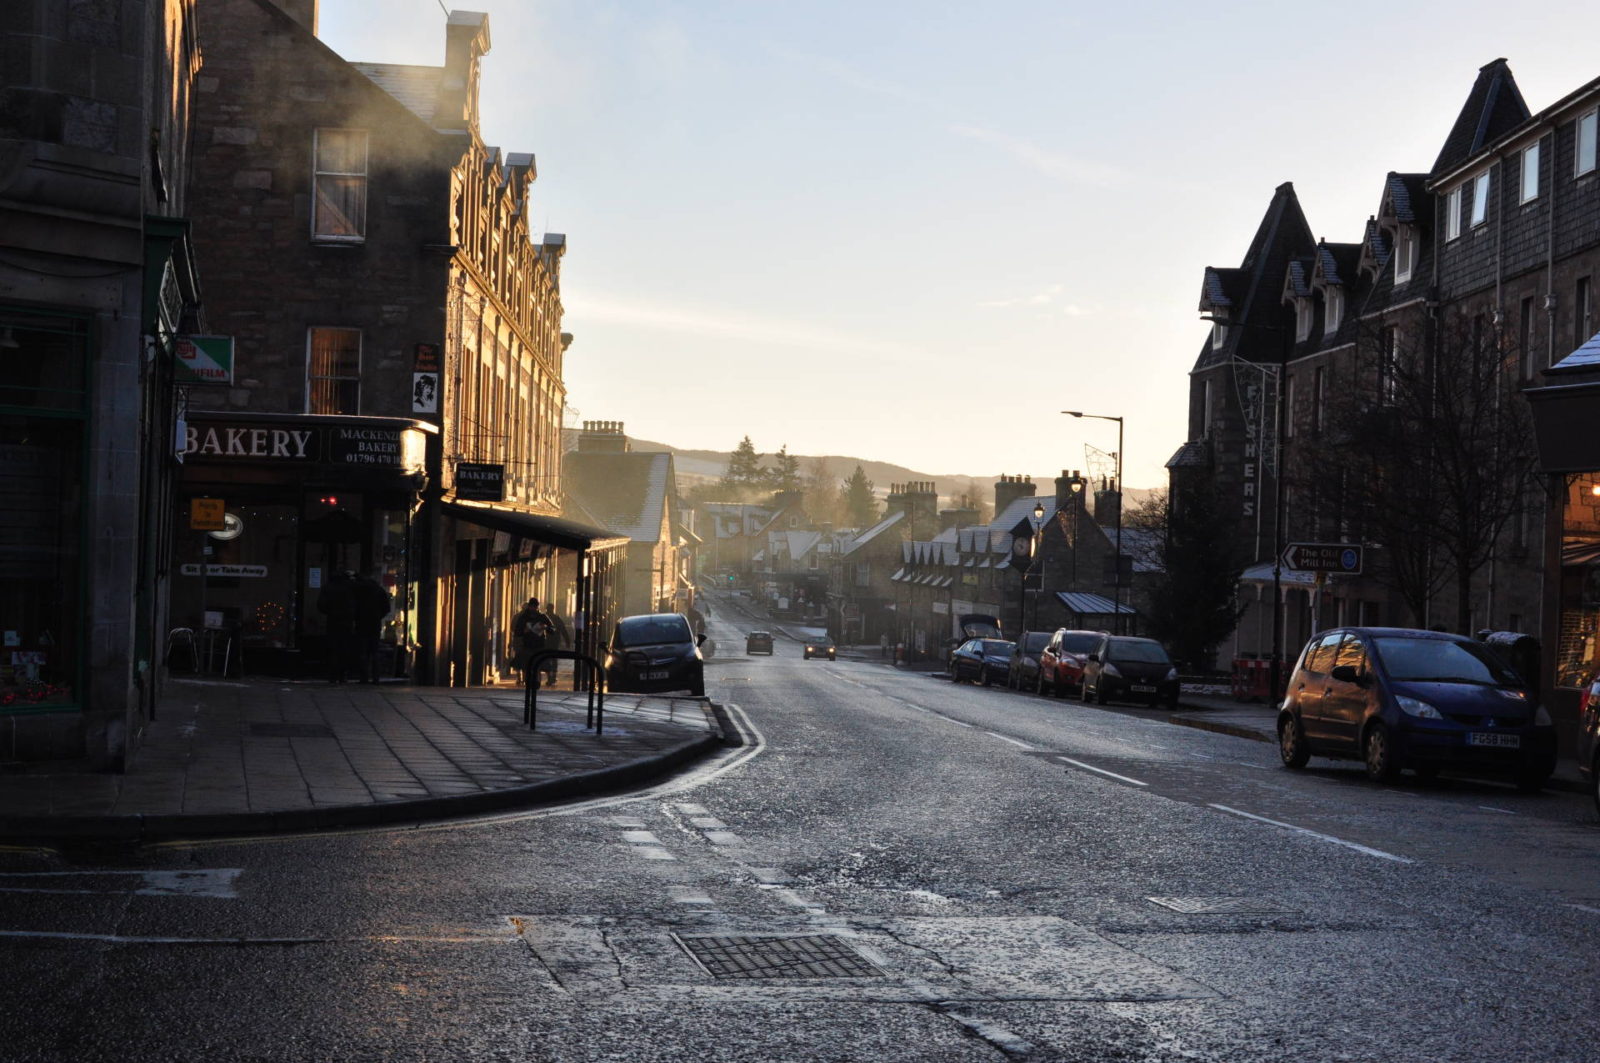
{"x": 1297, "y": 281}
{"x": 417, "y": 87}
{"x": 627, "y": 491}
{"x": 1336, "y": 263}
{"x": 1254, "y": 291}
{"x": 876, "y": 530}
{"x": 1406, "y": 199}
{"x": 1493, "y": 108}
{"x": 1195, "y": 454}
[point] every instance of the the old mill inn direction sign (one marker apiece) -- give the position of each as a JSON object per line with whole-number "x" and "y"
{"x": 477, "y": 482}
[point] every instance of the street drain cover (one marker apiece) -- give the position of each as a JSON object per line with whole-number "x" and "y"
{"x": 290, "y": 730}
{"x": 1221, "y": 905}
{"x": 778, "y": 956}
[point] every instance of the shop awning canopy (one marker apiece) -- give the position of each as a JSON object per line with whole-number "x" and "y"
{"x": 1085, "y": 604}
{"x": 1262, "y": 573}
{"x": 556, "y": 531}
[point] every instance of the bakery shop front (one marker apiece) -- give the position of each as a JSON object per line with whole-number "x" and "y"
{"x": 303, "y": 498}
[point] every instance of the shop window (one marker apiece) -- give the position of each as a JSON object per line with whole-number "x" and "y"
{"x": 340, "y": 211}
{"x": 334, "y": 371}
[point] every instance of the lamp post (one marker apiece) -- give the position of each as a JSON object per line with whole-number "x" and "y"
{"x": 1116, "y": 586}
{"x": 1275, "y": 666}
{"x": 1022, "y": 542}
{"x": 1038, "y": 589}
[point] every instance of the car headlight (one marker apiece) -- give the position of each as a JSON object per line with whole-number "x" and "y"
{"x": 1541, "y": 717}
{"x": 1420, "y": 709}
{"x": 1110, "y": 670}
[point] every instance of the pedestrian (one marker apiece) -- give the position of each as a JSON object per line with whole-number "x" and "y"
{"x": 531, "y": 631}
{"x": 337, "y": 604}
{"x": 372, "y": 605}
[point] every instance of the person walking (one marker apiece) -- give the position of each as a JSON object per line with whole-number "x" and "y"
{"x": 372, "y": 605}
{"x": 337, "y": 604}
{"x": 531, "y": 632}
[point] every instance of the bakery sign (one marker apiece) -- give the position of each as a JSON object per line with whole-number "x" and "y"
{"x": 298, "y": 443}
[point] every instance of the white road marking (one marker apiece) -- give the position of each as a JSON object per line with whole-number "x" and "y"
{"x": 708, "y": 822}
{"x": 1013, "y": 741}
{"x": 799, "y": 901}
{"x": 1102, "y": 771}
{"x": 771, "y": 876}
{"x": 689, "y": 895}
{"x": 640, "y": 837}
{"x": 1584, "y": 908}
{"x": 1502, "y": 811}
{"x": 1318, "y": 835}
{"x": 214, "y": 882}
{"x": 958, "y": 723}
{"x": 998, "y": 1036}
{"x": 691, "y": 809}
{"x": 652, "y": 852}
{"x": 723, "y": 837}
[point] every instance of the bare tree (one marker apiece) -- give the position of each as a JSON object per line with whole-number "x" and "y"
{"x": 1428, "y": 452}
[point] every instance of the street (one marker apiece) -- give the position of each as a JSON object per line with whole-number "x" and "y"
{"x": 892, "y": 868}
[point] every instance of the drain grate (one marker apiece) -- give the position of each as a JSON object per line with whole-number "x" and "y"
{"x": 1221, "y": 905}
{"x": 800, "y": 956}
{"x": 291, "y": 730}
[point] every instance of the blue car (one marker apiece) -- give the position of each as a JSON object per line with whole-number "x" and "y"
{"x": 1399, "y": 698}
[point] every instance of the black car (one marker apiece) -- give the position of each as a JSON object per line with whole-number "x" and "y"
{"x": 1129, "y": 669}
{"x": 1425, "y": 700}
{"x": 981, "y": 660}
{"x": 655, "y": 652}
{"x": 758, "y": 642}
{"x": 821, "y": 646}
{"x": 1024, "y": 671}
{"x": 1589, "y": 736}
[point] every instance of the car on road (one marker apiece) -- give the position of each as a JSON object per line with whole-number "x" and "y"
{"x": 1127, "y": 668}
{"x": 758, "y": 642}
{"x": 1061, "y": 663}
{"x": 1024, "y": 671}
{"x": 654, "y": 652}
{"x": 821, "y": 646}
{"x": 983, "y": 661}
{"x": 1589, "y": 736}
{"x": 1400, "y": 698}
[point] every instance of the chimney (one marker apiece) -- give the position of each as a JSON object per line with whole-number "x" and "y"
{"x": 1064, "y": 490}
{"x": 603, "y": 437}
{"x": 919, "y": 501}
{"x": 1107, "y": 503}
{"x": 962, "y": 516}
{"x": 302, "y": 11}
{"x": 466, "y": 41}
{"x": 1009, "y": 489}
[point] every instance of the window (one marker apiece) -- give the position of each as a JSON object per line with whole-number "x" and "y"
{"x": 1452, "y": 214}
{"x": 1205, "y": 409}
{"x": 1302, "y": 318}
{"x": 339, "y": 211}
{"x": 1388, "y": 366}
{"x": 334, "y": 371}
{"x": 1585, "y": 143}
{"x": 1480, "y": 198}
{"x": 1219, "y": 334}
{"x": 1405, "y": 254}
{"x": 1288, "y": 408}
{"x": 1582, "y": 312}
{"x": 1319, "y": 398}
{"x": 1525, "y": 338}
{"x": 1335, "y": 311}
{"x": 1530, "y": 173}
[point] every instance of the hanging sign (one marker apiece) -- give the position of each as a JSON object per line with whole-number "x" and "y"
{"x": 207, "y": 514}
{"x": 203, "y": 360}
{"x": 477, "y": 482}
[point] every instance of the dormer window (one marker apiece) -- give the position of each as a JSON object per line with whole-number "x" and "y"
{"x": 1405, "y": 255}
{"x": 1334, "y": 310}
{"x": 1302, "y": 319}
{"x": 1219, "y": 335}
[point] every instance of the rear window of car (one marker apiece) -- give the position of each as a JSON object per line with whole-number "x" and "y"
{"x": 1440, "y": 660}
{"x": 997, "y": 648}
{"x": 1079, "y": 643}
{"x": 1036, "y": 641}
{"x": 647, "y": 630}
{"x": 1137, "y": 650}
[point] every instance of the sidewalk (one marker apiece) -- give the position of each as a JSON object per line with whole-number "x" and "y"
{"x": 1258, "y": 721}
{"x": 262, "y": 755}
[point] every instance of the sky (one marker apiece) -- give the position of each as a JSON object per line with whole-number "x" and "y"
{"x": 917, "y": 231}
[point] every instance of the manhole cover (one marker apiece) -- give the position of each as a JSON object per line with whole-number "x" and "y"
{"x": 1221, "y": 905}
{"x": 802, "y": 956}
{"x": 290, "y": 730}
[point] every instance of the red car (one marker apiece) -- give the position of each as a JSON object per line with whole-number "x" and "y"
{"x": 1061, "y": 663}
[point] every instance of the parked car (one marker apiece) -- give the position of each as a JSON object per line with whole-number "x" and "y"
{"x": 1130, "y": 669}
{"x": 981, "y": 660}
{"x": 1425, "y": 700}
{"x": 654, "y": 652}
{"x": 1024, "y": 671}
{"x": 1061, "y": 663}
{"x": 758, "y": 642}
{"x": 1589, "y": 736}
{"x": 821, "y": 646}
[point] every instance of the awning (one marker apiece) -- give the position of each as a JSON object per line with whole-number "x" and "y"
{"x": 899, "y": 575}
{"x": 1085, "y": 604}
{"x": 556, "y": 531}
{"x": 1262, "y": 573}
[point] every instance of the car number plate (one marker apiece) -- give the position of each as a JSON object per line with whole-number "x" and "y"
{"x": 1143, "y": 688}
{"x": 1478, "y": 738}
{"x": 655, "y": 675}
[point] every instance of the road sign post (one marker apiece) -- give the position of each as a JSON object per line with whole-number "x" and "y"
{"x": 1338, "y": 558}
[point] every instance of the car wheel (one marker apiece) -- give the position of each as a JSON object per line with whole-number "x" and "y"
{"x": 1086, "y": 694}
{"x": 1292, "y": 743}
{"x": 1378, "y": 752}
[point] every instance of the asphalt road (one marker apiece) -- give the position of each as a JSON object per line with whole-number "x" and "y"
{"x": 896, "y": 868}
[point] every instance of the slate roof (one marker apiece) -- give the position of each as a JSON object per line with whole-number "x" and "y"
{"x": 627, "y": 492}
{"x": 417, "y": 87}
{"x": 1255, "y": 289}
{"x": 1586, "y": 356}
{"x": 1337, "y": 263}
{"x": 1493, "y": 108}
{"x": 876, "y": 530}
{"x": 1195, "y": 454}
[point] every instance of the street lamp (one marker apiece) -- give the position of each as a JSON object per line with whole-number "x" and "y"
{"x": 1038, "y": 527}
{"x": 1023, "y": 534}
{"x": 1116, "y": 586}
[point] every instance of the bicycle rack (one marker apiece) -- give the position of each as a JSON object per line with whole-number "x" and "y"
{"x": 596, "y": 717}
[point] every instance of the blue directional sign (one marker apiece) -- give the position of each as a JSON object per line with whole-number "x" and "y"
{"x": 1342, "y": 558}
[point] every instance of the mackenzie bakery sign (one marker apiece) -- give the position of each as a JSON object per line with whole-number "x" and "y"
{"x": 335, "y": 444}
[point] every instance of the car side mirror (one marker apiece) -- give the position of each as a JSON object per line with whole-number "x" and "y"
{"x": 701, "y": 640}
{"x": 1346, "y": 673}
{"x": 1095, "y": 657}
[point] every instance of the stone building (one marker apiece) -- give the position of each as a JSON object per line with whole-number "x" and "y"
{"x": 97, "y": 283}
{"x": 398, "y": 323}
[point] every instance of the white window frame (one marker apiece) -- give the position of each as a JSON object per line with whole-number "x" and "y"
{"x": 1302, "y": 319}
{"x": 1586, "y": 127}
{"x": 318, "y": 174}
{"x": 1405, "y": 254}
{"x": 1480, "y": 199}
{"x": 1530, "y": 172}
{"x": 1333, "y": 314}
{"x": 1219, "y": 335}
{"x": 1452, "y": 213}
